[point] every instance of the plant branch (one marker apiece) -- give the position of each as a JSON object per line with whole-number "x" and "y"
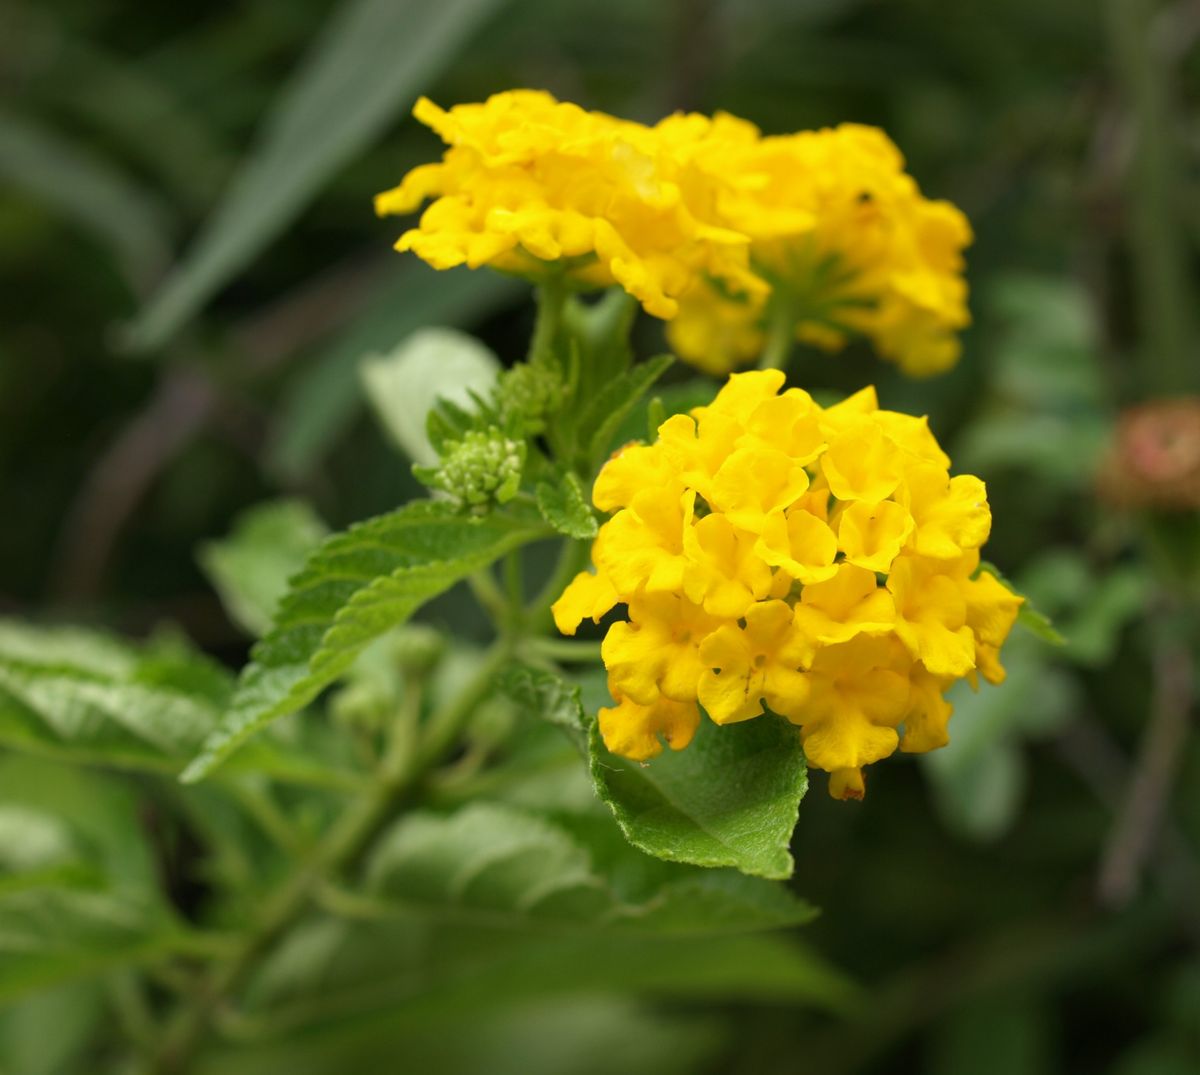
{"x": 406, "y": 762}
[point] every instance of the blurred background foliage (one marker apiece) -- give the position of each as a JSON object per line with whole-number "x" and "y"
{"x": 193, "y": 278}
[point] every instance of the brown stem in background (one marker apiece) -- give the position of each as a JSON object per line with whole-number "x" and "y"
{"x": 1140, "y": 819}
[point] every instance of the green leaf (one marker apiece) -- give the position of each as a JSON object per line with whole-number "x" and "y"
{"x": 730, "y": 798}
{"x": 540, "y": 693}
{"x": 564, "y": 505}
{"x": 355, "y": 587}
{"x": 250, "y": 568}
{"x": 607, "y": 409}
{"x": 324, "y": 395}
{"x": 367, "y": 67}
{"x": 1032, "y": 619}
{"x": 494, "y": 863}
{"x": 56, "y": 927}
{"x": 431, "y": 364}
{"x": 90, "y": 699}
{"x": 492, "y": 860}
{"x": 55, "y": 935}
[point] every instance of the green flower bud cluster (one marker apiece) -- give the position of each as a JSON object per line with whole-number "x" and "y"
{"x": 528, "y": 392}
{"x": 482, "y": 468}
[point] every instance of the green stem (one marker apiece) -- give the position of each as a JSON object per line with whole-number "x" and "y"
{"x": 1159, "y": 248}
{"x": 781, "y": 336}
{"x": 565, "y": 649}
{"x": 572, "y": 559}
{"x": 551, "y": 297}
{"x": 489, "y": 596}
{"x": 405, "y": 764}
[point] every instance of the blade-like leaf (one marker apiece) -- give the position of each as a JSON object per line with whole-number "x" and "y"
{"x": 731, "y": 798}
{"x": 88, "y": 189}
{"x": 356, "y": 586}
{"x": 563, "y": 504}
{"x": 250, "y": 568}
{"x": 368, "y": 67}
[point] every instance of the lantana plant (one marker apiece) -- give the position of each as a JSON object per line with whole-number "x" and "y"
{"x": 774, "y": 583}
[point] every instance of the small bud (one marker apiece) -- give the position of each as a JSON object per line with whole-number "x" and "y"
{"x": 482, "y": 468}
{"x": 417, "y": 648}
{"x": 528, "y": 393}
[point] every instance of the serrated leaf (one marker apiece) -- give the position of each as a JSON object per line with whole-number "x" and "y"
{"x": 564, "y": 505}
{"x": 1032, "y": 619}
{"x": 491, "y": 862}
{"x": 365, "y": 69}
{"x": 544, "y": 695}
{"x": 356, "y": 586}
{"x": 431, "y": 364}
{"x": 250, "y": 567}
{"x": 605, "y": 412}
{"x": 730, "y": 798}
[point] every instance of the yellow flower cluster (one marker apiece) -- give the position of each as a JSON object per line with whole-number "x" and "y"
{"x": 848, "y": 244}
{"x": 819, "y": 560}
{"x": 706, "y": 222}
{"x": 528, "y": 180}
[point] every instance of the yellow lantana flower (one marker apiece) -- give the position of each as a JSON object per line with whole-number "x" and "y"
{"x": 849, "y": 246}
{"x": 775, "y": 555}
{"x": 707, "y": 223}
{"x": 529, "y": 181}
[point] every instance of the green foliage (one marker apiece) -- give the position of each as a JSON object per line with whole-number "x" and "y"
{"x": 494, "y": 863}
{"x": 367, "y": 68}
{"x": 429, "y": 365}
{"x": 564, "y": 505}
{"x": 730, "y": 799}
{"x": 250, "y": 568}
{"x": 355, "y": 587}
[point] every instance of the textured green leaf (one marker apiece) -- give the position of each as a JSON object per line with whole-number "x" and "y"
{"x": 564, "y": 505}
{"x": 54, "y": 935}
{"x": 730, "y": 798}
{"x": 367, "y": 68}
{"x": 605, "y": 411}
{"x": 541, "y": 693}
{"x": 250, "y": 568}
{"x": 87, "y": 698}
{"x": 57, "y": 925}
{"x": 403, "y": 385}
{"x": 357, "y": 585}
{"x": 494, "y": 863}
{"x": 492, "y": 860}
